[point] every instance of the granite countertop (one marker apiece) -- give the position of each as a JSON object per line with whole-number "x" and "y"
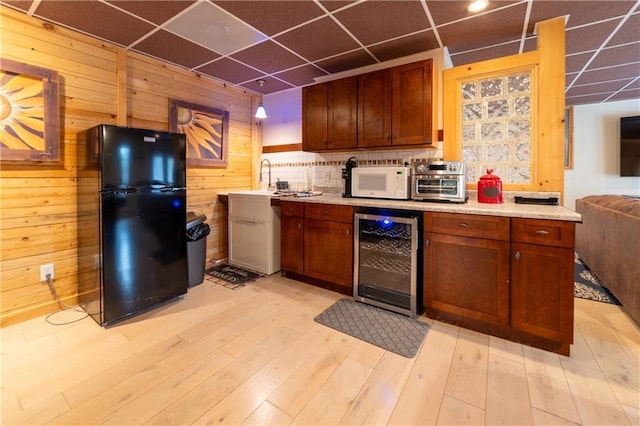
{"x": 510, "y": 209}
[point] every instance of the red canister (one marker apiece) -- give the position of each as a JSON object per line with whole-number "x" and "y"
{"x": 490, "y": 188}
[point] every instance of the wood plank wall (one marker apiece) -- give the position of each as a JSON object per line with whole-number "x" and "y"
{"x": 38, "y": 222}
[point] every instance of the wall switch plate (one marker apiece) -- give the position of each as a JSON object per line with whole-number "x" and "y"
{"x": 44, "y": 270}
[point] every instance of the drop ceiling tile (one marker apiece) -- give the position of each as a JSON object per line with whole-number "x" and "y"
{"x": 271, "y": 85}
{"x": 493, "y": 28}
{"x": 629, "y": 33}
{"x": 586, "y": 99}
{"x": 575, "y": 63}
{"x": 404, "y": 46}
{"x": 18, "y": 4}
{"x": 580, "y": 12}
{"x": 157, "y": 12}
{"x": 626, "y": 94}
{"x": 589, "y": 37}
{"x": 229, "y": 70}
{"x": 329, "y": 39}
{"x": 332, "y": 5}
{"x": 485, "y": 54}
{"x": 530, "y": 44}
{"x": 164, "y": 45}
{"x": 348, "y": 61}
{"x": 635, "y": 84}
{"x": 626, "y": 54}
{"x": 301, "y": 76}
{"x": 608, "y": 74}
{"x": 447, "y": 11}
{"x": 268, "y": 57}
{"x": 272, "y": 17}
{"x": 123, "y": 29}
{"x": 215, "y": 28}
{"x": 587, "y": 89}
{"x": 372, "y": 22}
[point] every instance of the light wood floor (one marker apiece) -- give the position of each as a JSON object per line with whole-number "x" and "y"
{"x": 255, "y": 356}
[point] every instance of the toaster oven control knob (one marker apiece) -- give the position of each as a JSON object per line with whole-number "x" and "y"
{"x": 452, "y": 167}
{"x": 420, "y": 168}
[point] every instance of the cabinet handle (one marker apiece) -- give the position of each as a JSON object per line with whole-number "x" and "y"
{"x": 325, "y": 212}
{"x": 348, "y": 232}
{"x": 518, "y": 255}
{"x": 464, "y": 225}
{"x": 299, "y": 225}
{"x": 426, "y": 243}
{"x": 250, "y": 222}
{"x": 542, "y": 232}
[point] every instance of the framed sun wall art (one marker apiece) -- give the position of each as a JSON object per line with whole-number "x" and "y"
{"x": 29, "y": 113}
{"x": 206, "y": 129}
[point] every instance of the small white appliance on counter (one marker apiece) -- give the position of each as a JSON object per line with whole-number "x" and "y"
{"x": 254, "y": 232}
{"x": 381, "y": 182}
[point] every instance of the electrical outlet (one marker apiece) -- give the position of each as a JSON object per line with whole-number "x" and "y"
{"x": 327, "y": 176}
{"x": 46, "y": 270}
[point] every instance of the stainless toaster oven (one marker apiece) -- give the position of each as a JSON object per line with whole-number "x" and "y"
{"x": 439, "y": 181}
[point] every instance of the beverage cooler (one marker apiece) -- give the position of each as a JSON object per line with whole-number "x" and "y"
{"x": 386, "y": 270}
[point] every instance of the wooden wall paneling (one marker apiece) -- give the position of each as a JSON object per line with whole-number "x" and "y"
{"x": 551, "y": 45}
{"x": 122, "y": 110}
{"x": 38, "y": 214}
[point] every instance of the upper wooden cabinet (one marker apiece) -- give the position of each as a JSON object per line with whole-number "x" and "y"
{"x": 411, "y": 104}
{"x": 374, "y": 108}
{"x": 329, "y": 113}
{"x": 389, "y": 107}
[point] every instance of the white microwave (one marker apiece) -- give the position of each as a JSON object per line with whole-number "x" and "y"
{"x": 381, "y": 182}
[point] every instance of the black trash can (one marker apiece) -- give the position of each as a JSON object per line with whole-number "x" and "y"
{"x": 197, "y": 232}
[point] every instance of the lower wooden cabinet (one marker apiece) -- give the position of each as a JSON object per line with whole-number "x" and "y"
{"x": 467, "y": 277}
{"x": 542, "y": 265}
{"x": 317, "y": 244}
{"x": 292, "y": 237}
{"x": 512, "y": 278}
{"x": 542, "y": 291}
{"x": 328, "y": 251}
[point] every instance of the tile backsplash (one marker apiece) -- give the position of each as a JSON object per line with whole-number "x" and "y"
{"x": 323, "y": 172}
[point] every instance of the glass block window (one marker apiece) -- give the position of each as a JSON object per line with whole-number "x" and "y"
{"x": 496, "y": 127}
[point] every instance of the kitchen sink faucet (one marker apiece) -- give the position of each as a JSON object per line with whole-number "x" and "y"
{"x": 268, "y": 164}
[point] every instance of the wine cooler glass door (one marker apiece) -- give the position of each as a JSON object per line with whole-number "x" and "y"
{"x": 386, "y": 262}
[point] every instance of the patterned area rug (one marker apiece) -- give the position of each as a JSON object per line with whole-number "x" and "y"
{"x": 586, "y": 284}
{"x": 231, "y": 277}
{"x": 388, "y": 330}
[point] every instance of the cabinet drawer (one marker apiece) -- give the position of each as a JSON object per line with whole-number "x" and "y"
{"x": 467, "y": 225}
{"x": 292, "y": 208}
{"x": 329, "y": 212}
{"x": 544, "y": 232}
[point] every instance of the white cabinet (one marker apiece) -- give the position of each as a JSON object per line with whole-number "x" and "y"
{"x": 254, "y": 232}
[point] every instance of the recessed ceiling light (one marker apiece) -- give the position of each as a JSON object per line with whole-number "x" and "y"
{"x": 477, "y": 5}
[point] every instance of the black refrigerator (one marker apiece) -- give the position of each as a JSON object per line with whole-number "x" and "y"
{"x": 137, "y": 259}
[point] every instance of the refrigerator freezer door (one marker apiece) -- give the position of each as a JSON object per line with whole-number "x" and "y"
{"x": 144, "y": 251}
{"x": 140, "y": 158}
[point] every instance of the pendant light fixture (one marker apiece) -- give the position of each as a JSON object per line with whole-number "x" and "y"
{"x": 261, "y": 113}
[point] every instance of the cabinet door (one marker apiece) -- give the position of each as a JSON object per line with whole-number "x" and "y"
{"x": 328, "y": 252}
{"x": 374, "y": 108}
{"x": 467, "y": 277}
{"x": 250, "y": 244}
{"x": 542, "y": 291}
{"x": 342, "y": 98}
{"x": 411, "y": 116}
{"x": 291, "y": 244}
{"x": 314, "y": 117}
